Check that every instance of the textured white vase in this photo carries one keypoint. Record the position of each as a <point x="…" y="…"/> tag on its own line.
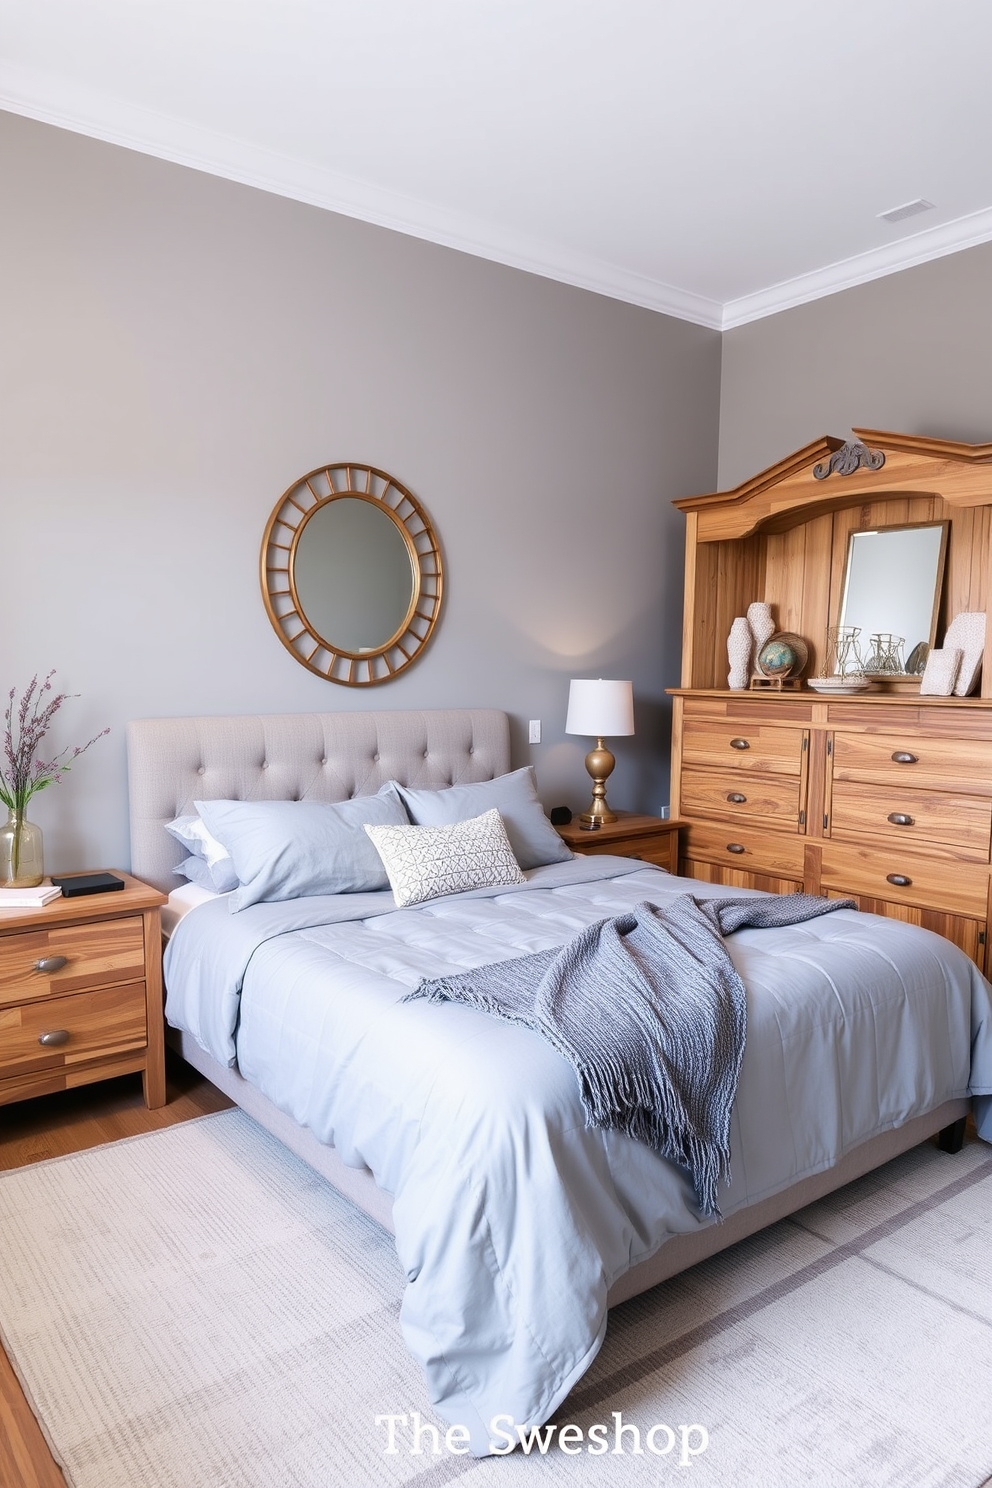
<point x="759" y="618"/>
<point x="740" y="644"/>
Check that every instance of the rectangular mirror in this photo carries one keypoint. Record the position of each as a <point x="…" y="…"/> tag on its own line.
<point x="891" y="590"/>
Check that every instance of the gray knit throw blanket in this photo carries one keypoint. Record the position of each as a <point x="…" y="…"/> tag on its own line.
<point x="650" y="1011"/>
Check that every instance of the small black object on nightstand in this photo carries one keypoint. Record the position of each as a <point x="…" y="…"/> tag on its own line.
<point x="74" y="884"/>
<point x="560" y="816"/>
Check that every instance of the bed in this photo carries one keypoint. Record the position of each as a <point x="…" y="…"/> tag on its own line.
<point x="516" y="1225"/>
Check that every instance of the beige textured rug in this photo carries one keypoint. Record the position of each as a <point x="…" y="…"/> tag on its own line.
<point x="196" y="1309"/>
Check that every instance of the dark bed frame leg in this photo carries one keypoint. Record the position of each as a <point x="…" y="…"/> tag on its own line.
<point x="951" y="1138"/>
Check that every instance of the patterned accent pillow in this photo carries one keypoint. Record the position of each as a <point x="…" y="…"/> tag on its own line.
<point x="428" y="862"/>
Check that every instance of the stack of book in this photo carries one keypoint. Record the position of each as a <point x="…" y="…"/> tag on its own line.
<point x="34" y="898"/>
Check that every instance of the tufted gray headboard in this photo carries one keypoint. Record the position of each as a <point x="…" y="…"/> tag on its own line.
<point x="294" y="756"/>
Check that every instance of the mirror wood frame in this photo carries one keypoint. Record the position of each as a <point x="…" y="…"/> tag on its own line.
<point x="939" y="567"/>
<point x="289" y="520"/>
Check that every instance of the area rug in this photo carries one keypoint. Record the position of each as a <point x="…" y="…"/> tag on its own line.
<point x="195" y="1308"/>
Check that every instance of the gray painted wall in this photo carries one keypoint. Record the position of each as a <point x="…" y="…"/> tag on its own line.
<point x="911" y="353"/>
<point x="177" y="349"/>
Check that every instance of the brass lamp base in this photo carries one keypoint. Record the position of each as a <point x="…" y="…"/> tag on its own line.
<point x="599" y="763"/>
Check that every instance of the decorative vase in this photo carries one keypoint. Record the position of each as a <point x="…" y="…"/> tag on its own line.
<point x="739" y="645"/>
<point x="759" y="618"/>
<point x="22" y="858"/>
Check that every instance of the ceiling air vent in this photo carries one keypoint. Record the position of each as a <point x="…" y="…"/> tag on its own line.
<point x="909" y="209"/>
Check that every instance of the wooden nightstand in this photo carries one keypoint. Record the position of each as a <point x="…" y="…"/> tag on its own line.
<point x="81" y="993"/>
<point x="630" y="836"/>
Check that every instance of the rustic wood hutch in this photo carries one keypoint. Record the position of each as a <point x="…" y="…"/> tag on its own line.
<point x="885" y="796"/>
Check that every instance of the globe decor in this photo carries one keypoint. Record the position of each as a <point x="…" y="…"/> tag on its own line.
<point x="23" y="772"/>
<point x="780" y="661"/>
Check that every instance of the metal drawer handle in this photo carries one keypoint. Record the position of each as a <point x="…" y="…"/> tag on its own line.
<point x="903" y="757"/>
<point x="735" y="847"/>
<point x="899" y="879"/>
<point x="51" y="963"/>
<point x="55" y="1038"/>
<point x="737" y="798"/>
<point x="739" y="744"/>
<point x="900" y="819"/>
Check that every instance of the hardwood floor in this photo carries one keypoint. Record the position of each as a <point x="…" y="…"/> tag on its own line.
<point x="53" y="1126"/>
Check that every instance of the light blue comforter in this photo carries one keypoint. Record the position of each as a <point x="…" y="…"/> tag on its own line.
<point x="512" y="1218"/>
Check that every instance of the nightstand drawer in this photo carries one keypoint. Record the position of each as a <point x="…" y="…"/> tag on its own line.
<point x="746" y="849"/>
<point x="45" y="963"/>
<point x="723" y="793"/>
<point x="890" y="872"/>
<point x="89" y="1025"/>
<point x="745" y="747"/>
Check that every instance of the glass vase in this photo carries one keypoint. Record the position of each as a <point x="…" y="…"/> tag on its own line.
<point x="22" y="857"/>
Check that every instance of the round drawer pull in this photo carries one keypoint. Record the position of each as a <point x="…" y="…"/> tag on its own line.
<point x="739" y="744"/>
<point x="55" y="1039"/>
<point x="736" y="798"/>
<point x="51" y="963"/>
<point x="900" y="819"/>
<point x="736" y="847"/>
<point x="903" y="757"/>
<point x="899" y="879"/>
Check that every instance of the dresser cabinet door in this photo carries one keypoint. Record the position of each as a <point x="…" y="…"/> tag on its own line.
<point x="744" y="851"/>
<point x="765" y="749"/>
<point x="716" y="795"/>
<point x="914" y="761"/>
<point x="901" y="817"/>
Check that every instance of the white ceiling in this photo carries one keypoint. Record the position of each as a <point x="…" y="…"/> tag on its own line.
<point x="713" y="159"/>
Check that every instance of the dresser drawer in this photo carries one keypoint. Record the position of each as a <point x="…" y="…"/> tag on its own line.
<point x="913" y="760"/>
<point x="745" y="848"/>
<point x="78" y="956"/>
<point x="86" y="1026"/>
<point x="900" y="875"/>
<point x="759" y="747"/>
<point x="912" y="818"/>
<point x="725" y="794"/>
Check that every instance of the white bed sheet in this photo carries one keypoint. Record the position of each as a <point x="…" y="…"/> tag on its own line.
<point x="188" y="896"/>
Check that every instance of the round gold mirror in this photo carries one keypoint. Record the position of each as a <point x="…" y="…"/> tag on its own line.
<point x="351" y="574"/>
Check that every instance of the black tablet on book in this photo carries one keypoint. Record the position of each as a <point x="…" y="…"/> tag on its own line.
<point x="72" y="884"/>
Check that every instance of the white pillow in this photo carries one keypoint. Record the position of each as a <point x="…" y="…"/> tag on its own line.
<point x="203" y="846"/>
<point x="429" y="862"/>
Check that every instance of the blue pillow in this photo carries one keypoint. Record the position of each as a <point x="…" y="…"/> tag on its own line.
<point x="532" y="837"/>
<point x="289" y="849"/>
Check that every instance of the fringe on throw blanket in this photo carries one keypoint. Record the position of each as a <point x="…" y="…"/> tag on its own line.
<point x="650" y="1011"/>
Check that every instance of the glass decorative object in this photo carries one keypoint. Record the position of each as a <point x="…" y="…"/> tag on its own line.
<point x="22" y="857"/>
<point x="886" y="653"/>
<point x="843" y="653"/>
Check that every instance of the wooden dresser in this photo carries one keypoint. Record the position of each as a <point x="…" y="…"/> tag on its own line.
<point x="81" y="993"/>
<point x="885" y="796"/>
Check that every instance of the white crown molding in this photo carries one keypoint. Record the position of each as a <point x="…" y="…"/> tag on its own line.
<point x="921" y="247"/>
<point x="67" y="105"/>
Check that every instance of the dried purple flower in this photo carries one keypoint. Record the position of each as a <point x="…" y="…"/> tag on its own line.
<point x="22" y="770"/>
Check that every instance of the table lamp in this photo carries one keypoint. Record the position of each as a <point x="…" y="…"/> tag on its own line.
<point x="601" y="709"/>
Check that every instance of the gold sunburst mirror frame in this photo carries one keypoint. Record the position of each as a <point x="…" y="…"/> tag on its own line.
<point x="319" y="540"/>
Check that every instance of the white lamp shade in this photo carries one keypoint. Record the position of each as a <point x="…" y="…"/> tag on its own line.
<point x="602" y="709"/>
